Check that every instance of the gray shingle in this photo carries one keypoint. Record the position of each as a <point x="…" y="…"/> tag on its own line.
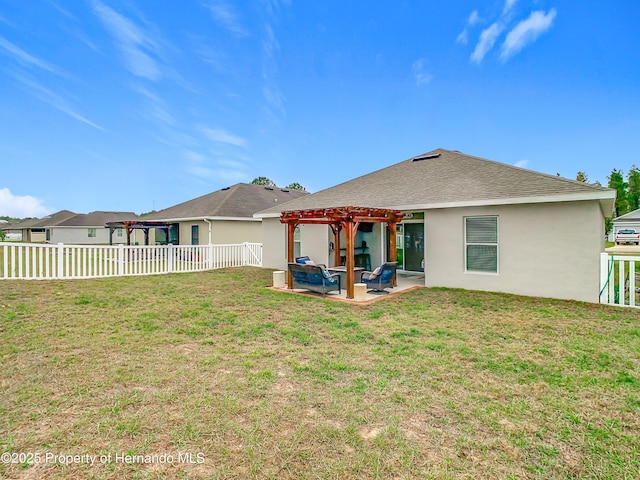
<point x="241" y="200"/>
<point x="442" y="178"/>
<point x="97" y="219"/>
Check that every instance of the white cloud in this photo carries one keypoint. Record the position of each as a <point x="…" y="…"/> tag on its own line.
<point x="526" y="32"/>
<point x="487" y="40"/>
<point x="419" y="72"/>
<point x="26" y="58"/>
<point x="222" y="136"/>
<point x="136" y="47"/>
<point x="224" y="14"/>
<point x="55" y="100"/>
<point x="508" y="5"/>
<point x="21" y="206"/>
<point x="207" y="173"/>
<point x="463" y="37"/>
<point x="522" y="163"/>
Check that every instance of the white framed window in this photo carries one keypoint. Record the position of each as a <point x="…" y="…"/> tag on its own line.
<point x="91" y="232"/>
<point x="119" y="232"/>
<point x="481" y="244"/>
<point x="296" y="242"/>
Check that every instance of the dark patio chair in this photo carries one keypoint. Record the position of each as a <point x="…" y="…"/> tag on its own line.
<point x="380" y="278"/>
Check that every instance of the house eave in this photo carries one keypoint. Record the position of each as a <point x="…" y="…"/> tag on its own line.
<point x="195" y="219"/>
<point x="603" y="197"/>
<point x="606" y="199"/>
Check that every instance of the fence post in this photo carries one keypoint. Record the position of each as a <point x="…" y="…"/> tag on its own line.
<point x="120" y="259"/>
<point x="245" y="246"/>
<point x="5" y="256"/>
<point x="60" y="272"/>
<point x="210" y="262"/>
<point x="605" y="277"/>
<point x="171" y="251"/>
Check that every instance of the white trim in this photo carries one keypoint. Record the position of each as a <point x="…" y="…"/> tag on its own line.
<point x="266" y="215"/>
<point x="565" y="197"/>
<point x="194" y="219"/>
<point x="569" y="197"/>
<point x="497" y="244"/>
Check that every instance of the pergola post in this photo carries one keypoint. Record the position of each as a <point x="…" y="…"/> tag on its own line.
<point x="347" y="218"/>
<point x="393" y="254"/>
<point x="350" y="228"/>
<point x="336" y="228"/>
<point x="291" y="231"/>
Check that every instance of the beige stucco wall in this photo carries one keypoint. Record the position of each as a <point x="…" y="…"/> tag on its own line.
<point x="274" y="244"/>
<point x="80" y="236"/>
<point x="546" y="250"/>
<point x="222" y="232"/>
<point x="314" y="242"/>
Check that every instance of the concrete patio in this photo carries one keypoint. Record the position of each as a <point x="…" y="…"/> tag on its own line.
<point x="406" y="281"/>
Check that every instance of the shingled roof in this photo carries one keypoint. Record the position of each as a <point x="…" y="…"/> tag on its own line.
<point x="445" y="178"/>
<point x="633" y="216"/>
<point x="240" y="201"/>
<point x="52" y="220"/>
<point x="97" y="219"/>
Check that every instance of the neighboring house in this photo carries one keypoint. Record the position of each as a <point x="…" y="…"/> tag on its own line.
<point x="33" y="230"/>
<point x="628" y="220"/>
<point x="11" y="233"/>
<point x="88" y="228"/>
<point x="469" y="223"/>
<point x="221" y="217"/>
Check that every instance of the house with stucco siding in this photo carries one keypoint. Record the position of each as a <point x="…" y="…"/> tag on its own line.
<point x="225" y="216"/>
<point x="469" y="223"/>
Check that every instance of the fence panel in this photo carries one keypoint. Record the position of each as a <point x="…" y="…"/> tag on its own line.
<point x="44" y="261"/>
<point x="620" y="280"/>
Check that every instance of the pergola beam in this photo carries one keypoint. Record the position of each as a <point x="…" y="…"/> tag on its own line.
<point x="338" y="218"/>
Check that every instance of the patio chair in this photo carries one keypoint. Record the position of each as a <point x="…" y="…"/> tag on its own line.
<point x="380" y="278"/>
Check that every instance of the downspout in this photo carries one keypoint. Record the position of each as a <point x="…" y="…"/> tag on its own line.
<point x="210" y="245"/>
<point x="208" y="223"/>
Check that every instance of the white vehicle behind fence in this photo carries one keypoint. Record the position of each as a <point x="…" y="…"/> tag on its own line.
<point x="627" y="235"/>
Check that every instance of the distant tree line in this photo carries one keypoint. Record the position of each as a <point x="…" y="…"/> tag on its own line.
<point x="627" y="190"/>
<point x="270" y="183"/>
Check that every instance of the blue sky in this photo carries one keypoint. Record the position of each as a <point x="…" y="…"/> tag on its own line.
<point x="132" y="105"/>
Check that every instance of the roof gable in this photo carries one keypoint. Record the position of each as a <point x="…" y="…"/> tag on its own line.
<point x="629" y="217"/>
<point x="53" y="219"/>
<point x="241" y="200"/>
<point x="97" y="219"/>
<point x="444" y="178"/>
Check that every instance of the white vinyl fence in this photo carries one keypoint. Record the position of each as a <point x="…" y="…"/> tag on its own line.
<point x="41" y="261"/>
<point x="619" y="280"/>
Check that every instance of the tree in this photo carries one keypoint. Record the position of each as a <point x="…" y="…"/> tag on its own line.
<point x="582" y="177"/>
<point x="296" y="186"/>
<point x="633" y="188"/>
<point x="263" y="181"/>
<point x="616" y="182"/>
<point x="3" y="235"/>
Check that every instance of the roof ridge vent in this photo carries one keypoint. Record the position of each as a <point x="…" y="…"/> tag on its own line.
<point x="284" y="190"/>
<point x="426" y="157"/>
<point x="225" y="188"/>
<point x="268" y="188"/>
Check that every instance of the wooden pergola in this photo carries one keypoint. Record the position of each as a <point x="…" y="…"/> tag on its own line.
<point x="131" y="225"/>
<point x="342" y="218"/>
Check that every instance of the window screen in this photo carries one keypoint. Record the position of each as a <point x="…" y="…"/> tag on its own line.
<point x="481" y="244"/>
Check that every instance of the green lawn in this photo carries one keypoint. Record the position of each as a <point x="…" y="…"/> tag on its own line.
<point x="253" y="383"/>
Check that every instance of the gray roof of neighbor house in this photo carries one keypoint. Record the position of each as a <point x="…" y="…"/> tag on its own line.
<point x="97" y="219"/>
<point x="24" y="223"/>
<point x="633" y="216"/>
<point x="445" y="178"/>
<point x="241" y="200"/>
<point x="51" y="220"/>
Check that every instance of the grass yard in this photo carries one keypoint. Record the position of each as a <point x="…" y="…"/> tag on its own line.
<point x="228" y="379"/>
